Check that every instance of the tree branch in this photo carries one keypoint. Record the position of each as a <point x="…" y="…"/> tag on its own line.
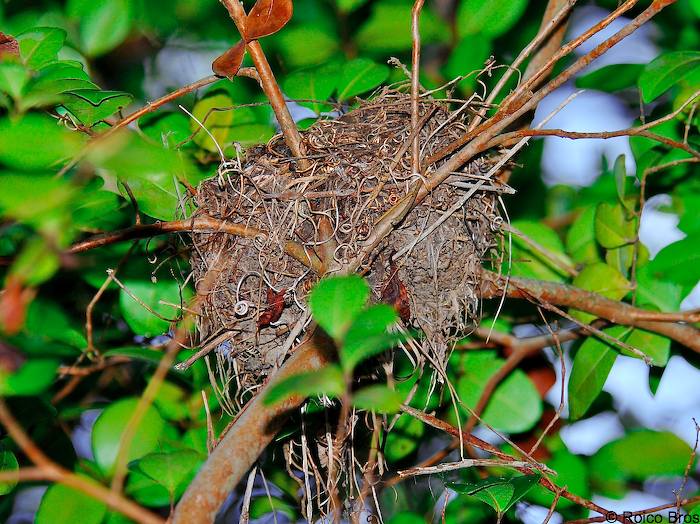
<point x="573" y="297"/>
<point x="252" y="431"/>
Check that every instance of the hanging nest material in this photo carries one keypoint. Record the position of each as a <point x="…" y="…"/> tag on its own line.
<point x="360" y="166"/>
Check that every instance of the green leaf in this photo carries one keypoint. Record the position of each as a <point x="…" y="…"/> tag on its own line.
<point x="388" y="29"/>
<point x="327" y="381"/>
<point x="678" y="263"/>
<point x="147" y="355"/>
<point x="39" y="46"/>
<point x="212" y="112"/>
<point x="529" y="262"/>
<point x="468" y="55"/>
<point x="403" y="438"/>
<point x="515" y="405"/>
<point x="53" y="81"/>
<point x="313" y="84"/>
<point x="656" y="347"/>
<point x="488" y="18"/>
<point x="173" y="470"/>
<point x="94" y="105"/>
<point x="319" y="45"/>
<point x="368" y="335"/>
<point x="111" y="424"/>
<point x="36" y="262"/>
<point x="153" y="173"/>
<point x="378" y="398"/>
<point x="589" y="371"/>
<point x="641" y="454"/>
<point x="8" y="464"/>
<point x="103" y="25"/>
<point x="336" y="301"/>
<point x="667" y="70"/>
<point x="611" y="78"/>
<point x="580" y="238"/>
<point x="613" y="227"/>
<point x="154" y="295"/>
<point x="499" y="493"/>
<point x="261" y="506"/>
<point x="13" y="78"/>
<point x="620" y="172"/>
<point x="359" y="76"/>
<point x="572" y="474"/>
<point x="602" y="279"/>
<point x="36" y="141"/>
<point x="661" y="295"/>
<point x="65" y="505"/>
<point x="33" y="378"/>
<point x="347" y="6"/>
<point x="146" y="491"/>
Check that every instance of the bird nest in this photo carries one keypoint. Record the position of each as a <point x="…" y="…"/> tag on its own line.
<point x="319" y="219"/>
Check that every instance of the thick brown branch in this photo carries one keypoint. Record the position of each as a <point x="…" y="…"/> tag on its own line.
<point x="251" y="432"/>
<point x="593" y="303"/>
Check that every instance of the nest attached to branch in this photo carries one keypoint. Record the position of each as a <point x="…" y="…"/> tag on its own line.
<point x="359" y="167"/>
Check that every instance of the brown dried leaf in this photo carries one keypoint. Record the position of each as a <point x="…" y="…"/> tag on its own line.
<point x="268" y="17"/>
<point x="228" y="64"/>
<point x="8" y="46"/>
<point x="273" y="311"/>
<point x="13" y="305"/>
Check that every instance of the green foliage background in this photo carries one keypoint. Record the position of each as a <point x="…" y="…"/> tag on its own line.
<point x="83" y="63"/>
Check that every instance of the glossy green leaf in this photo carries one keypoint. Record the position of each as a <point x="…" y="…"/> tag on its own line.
<point x="368" y="335"/>
<point x="678" y="263"/>
<point x="667" y="70"/>
<point x="336" y="301"/>
<point x="499" y="493"/>
<point x="611" y="78"/>
<point x="515" y="405"/>
<point x="602" y="279"/>
<point x="146" y="491"/>
<point x="173" y="470"/>
<point x="39" y="46"/>
<point x="388" y="29"/>
<point x="212" y="112"/>
<point x="33" y="378"/>
<point x="261" y="506"/>
<point x="313" y="84"/>
<point x="403" y="438"/>
<point x="319" y="45"/>
<point x="65" y="505"/>
<point x="656" y="347"/>
<point x="359" y="76"/>
<point x="103" y="25"/>
<point x="530" y="261"/>
<point x="53" y="81"/>
<point x="111" y="424"/>
<point x="347" y="6"/>
<point x="663" y="452"/>
<point x="154" y="295"/>
<point x="36" y="141"/>
<point x="659" y="294"/>
<point x="13" y="78"/>
<point x="589" y="371"/>
<point x="468" y="56"/>
<point x="378" y="398"/>
<point x="93" y="105"/>
<point x="488" y="18"/>
<point x="8" y="464"/>
<point x="580" y="238"/>
<point x="614" y="226"/>
<point x="327" y="381"/>
<point x="36" y="262"/>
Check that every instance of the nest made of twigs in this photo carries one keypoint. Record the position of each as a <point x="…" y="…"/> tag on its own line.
<point x="359" y="167"/>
